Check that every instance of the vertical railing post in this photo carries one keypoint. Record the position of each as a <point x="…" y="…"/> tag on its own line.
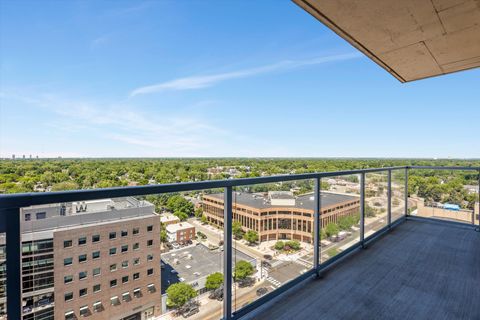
<point x="362" y="209"/>
<point x="13" y="244"/>
<point x="389" y="195"/>
<point x="316" y="224"/>
<point x="406" y="191"/>
<point x="227" y="254"/>
<point x="478" y="199"/>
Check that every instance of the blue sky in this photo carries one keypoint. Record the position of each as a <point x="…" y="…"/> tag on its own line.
<point x="212" y="78"/>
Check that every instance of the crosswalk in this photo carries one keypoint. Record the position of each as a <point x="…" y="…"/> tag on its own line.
<point x="276" y="263"/>
<point x="304" y="263"/>
<point x="274" y="282"/>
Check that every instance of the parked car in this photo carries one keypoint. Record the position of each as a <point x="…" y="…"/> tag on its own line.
<point x="261" y="291"/>
<point x="247" y="282"/>
<point x="266" y="264"/>
<point x="217" y="294"/>
<point x="267" y="257"/>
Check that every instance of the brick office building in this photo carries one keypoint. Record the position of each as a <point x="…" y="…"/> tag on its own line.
<point x="95" y="259"/>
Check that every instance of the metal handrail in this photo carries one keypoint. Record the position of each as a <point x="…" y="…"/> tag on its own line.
<point x="11" y="204"/>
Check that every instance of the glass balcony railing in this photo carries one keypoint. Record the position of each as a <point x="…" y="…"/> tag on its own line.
<point x="205" y="250"/>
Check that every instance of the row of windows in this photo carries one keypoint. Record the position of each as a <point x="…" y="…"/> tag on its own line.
<point x="98" y="306"/>
<point x="113" y="267"/>
<point x="112" y="251"/>
<point x="96" y="238"/>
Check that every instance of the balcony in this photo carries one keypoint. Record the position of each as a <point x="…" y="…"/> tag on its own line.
<point x="372" y="243"/>
<point x="422" y="269"/>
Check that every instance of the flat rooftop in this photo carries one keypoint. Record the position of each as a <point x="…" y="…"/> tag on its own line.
<point x="203" y="261"/>
<point x="178" y="226"/>
<point x="419" y="270"/>
<point x="306" y="201"/>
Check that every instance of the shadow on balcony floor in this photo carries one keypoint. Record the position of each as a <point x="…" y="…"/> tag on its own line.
<point x="421" y="270"/>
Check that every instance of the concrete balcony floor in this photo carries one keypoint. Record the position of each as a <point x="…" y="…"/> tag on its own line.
<point x="420" y="270"/>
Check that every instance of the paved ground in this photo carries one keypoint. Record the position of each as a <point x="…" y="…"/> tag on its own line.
<point x="420" y="270"/>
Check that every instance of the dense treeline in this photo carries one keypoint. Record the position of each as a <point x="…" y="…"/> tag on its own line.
<point x="66" y="174"/>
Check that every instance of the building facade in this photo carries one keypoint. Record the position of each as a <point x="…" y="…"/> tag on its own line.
<point x="280" y="215"/>
<point x="180" y="232"/>
<point x="95" y="259"/>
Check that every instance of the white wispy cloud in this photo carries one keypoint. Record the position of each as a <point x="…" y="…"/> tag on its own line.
<point x="203" y="81"/>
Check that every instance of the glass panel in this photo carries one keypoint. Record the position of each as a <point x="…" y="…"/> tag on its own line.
<point x="398" y="194"/>
<point x="273" y="237"/>
<point x="192" y="253"/>
<point x="444" y="194"/>
<point x="376" y="202"/>
<point x="340" y="214"/>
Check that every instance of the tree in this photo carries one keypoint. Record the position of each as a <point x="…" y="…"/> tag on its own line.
<point x="203" y="219"/>
<point x="198" y="212"/>
<point x="331" y="229"/>
<point x="237" y="230"/>
<point x="323" y="234"/>
<point x="180" y="215"/>
<point x="279" y="245"/>
<point x="179" y="293"/>
<point x="251" y="236"/>
<point x="214" y="281"/>
<point x="293" y="245"/>
<point x="66" y="185"/>
<point x="243" y="269"/>
<point x="163" y="233"/>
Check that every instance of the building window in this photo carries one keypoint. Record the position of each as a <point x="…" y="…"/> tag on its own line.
<point x="113" y="283"/>
<point x="82" y="275"/>
<point x="136" y="261"/>
<point x="113" y="251"/>
<point x="95" y="238"/>
<point x="82" y="292"/>
<point x="82" y="241"/>
<point x="96" y="288"/>
<point x="151" y="288"/>
<point x="41" y="215"/>
<point x="150" y="257"/>
<point x="136" y="246"/>
<point x="136" y="231"/>
<point x="114" y="301"/>
<point x="124" y="279"/>
<point x="112" y="235"/>
<point x="67" y="261"/>
<point x="124" y="248"/>
<point x="96" y="272"/>
<point x="70" y="315"/>
<point x="149" y="243"/>
<point x="136" y="276"/>
<point x="68" y="296"/>
<point x="149" y="272"/>
<point x="125" y="264"/>
<point x="28" y="217"/>
<point x="126" y="296"/>
<point x="150" y="228"/>
<point x="124" y="233"/>
<point x="113" y="267"/>
<point x="97" y="306"/>
<point x="82" y="258"/>
<point x="84" y="311"/>
<point x="137" y="293"/>
<point x="95" y="254"/>
<point x="67" y="279"/>
<point x="67" y="243"/>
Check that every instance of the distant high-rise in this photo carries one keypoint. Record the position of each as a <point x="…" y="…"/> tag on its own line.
<point x="13" y="157"/>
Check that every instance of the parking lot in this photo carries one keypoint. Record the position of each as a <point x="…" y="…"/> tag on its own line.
<point x="194" y="263"/>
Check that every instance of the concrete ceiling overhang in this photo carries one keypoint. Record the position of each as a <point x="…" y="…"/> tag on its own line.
<point x="411" y="39"/>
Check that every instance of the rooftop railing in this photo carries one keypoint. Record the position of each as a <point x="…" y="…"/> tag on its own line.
<point x="381" y="190"/>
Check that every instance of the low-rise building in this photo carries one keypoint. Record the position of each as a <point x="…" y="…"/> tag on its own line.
<point x="180" y="232"/>
<point x="280" y="215"/>
<point x="168" y="218"/>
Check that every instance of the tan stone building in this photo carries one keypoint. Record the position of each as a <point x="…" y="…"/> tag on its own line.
<point x="280" y="215"/>
<point x="95" y="259"/>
